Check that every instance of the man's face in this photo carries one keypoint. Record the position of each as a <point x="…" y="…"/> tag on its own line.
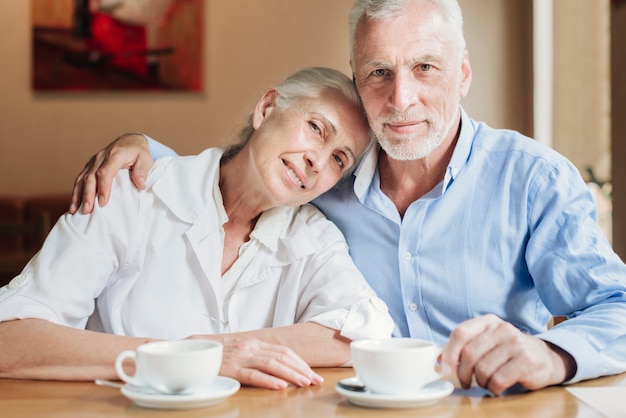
<point x="411" y="78"/>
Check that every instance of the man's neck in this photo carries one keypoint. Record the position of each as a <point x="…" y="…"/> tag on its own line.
<point x="404" y="182"/>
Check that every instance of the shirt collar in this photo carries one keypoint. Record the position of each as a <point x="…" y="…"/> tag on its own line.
<point x="461" y="150"/>
<point x="271" y="225"/>
<point x="188" y="200"/>
<point x="365" y="172"/>
<point x="222" y="216"/>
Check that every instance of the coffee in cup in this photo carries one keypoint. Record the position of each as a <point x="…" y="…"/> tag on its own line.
<point x="395" y="365"/>
<point x="173" y="367"/>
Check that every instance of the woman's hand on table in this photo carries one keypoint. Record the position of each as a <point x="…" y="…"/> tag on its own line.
<point x="257" y="363"/>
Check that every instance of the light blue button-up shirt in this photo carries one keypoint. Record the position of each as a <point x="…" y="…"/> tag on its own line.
<point x="511" y="231"/>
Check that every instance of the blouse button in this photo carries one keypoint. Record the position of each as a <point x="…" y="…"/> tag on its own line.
<point x="413" y="307"/>
<point x="18" y="281"/>
<point x="407" y="255"/>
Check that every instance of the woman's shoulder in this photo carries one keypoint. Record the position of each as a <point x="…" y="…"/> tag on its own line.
<point x="185" y="165"/>
<point x="318" y="225"/>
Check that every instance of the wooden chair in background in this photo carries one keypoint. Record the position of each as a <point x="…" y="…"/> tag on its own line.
<point x="24" y="225"/>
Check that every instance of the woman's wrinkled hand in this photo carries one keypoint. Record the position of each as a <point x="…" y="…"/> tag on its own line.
<point x="257" y="363"/>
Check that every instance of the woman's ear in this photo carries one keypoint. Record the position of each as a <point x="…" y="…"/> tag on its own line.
<point x="264" y="108"/>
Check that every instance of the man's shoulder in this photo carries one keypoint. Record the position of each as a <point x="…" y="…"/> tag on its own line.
<point x="340" y="192"/>
<point x="511" y="142"/>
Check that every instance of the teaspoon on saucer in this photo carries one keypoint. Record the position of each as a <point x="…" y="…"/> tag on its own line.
<point x="351" y="384"/>
<point x="109" y="383"/>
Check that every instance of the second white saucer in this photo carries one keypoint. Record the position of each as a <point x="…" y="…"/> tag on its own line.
<point x="220" y="389"/>
<point x="428" y="395"/>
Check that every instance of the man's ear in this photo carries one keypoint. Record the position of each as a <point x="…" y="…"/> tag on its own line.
<point x="264" y="108"/>
<point x="466" y="71"/>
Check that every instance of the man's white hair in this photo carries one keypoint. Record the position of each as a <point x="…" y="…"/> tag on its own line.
<point x="387" y="9"/>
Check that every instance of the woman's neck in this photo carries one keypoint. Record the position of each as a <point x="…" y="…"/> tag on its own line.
<point x="242" y="198"/>
<point x="243" y="203"/>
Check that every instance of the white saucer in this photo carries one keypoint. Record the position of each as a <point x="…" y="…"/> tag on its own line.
<point x="220" y="389"/>
<point x="428" y="395"/>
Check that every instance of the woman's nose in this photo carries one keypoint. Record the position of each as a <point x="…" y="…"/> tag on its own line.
<point x="316" y="159"/>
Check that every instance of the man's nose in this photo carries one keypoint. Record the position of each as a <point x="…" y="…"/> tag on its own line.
<point x="404" y="92"/>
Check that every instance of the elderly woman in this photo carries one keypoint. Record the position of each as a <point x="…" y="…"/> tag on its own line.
<point x="220" y="246"/>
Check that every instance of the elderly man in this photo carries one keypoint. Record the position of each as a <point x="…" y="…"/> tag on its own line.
<point x="474" y="237"/>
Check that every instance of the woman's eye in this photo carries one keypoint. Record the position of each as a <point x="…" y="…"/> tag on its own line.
<point x="339" y="161"/>
<point x="315" y="128"/>
<point x="425" y="67"/>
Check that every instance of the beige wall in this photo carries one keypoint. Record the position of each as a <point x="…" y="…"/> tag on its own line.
<point x="46" y="139"/>
<point x="499" y="41"/>
<point x="582" y="83"/>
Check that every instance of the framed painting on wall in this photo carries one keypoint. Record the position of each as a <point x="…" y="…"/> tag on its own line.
<point x="117" y="45"/>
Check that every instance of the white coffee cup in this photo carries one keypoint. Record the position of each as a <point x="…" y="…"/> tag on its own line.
<point x="395" y="365"/>
<point x="173" y="367"/>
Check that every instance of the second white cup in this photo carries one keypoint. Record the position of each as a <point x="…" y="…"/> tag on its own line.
<point x="395" y="365"/>
<point x="173" y="367"/>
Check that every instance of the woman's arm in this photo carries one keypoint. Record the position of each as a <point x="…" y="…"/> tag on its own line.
<point x="271" y="357"/>
<point x="315" y="344"/>
<point x="39" y="349"/>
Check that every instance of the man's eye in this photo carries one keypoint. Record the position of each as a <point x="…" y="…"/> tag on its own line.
<point x="378" y="73"/>
<point x="425" y="67"/>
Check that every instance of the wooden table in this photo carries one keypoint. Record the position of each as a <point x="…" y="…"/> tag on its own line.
<point x="85" y="399"/>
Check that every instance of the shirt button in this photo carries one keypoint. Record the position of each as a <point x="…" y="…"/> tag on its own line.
<point x="18" y="281"/>
<point x="407" y="255"/>
<point x="413" y="307"/>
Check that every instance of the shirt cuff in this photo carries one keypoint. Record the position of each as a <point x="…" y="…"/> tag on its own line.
<point x="591" y="362"/>
<point x="158" y="150"/>
<point x="368" y="318"/>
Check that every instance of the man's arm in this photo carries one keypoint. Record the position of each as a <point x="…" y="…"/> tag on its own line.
<point x="133" y="151"/>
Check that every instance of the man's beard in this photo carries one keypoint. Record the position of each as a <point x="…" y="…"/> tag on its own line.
<point x="412" y="146"/>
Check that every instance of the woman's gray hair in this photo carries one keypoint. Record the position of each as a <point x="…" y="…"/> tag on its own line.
<point x="387" y="9"/>
<point x="307" y="83"/>
<point x="312" y="82"/>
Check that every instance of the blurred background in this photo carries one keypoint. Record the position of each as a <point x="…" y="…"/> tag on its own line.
<point x="552" y="69"/>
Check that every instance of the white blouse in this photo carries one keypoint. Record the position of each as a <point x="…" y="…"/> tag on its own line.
<point x="149" y="264"/>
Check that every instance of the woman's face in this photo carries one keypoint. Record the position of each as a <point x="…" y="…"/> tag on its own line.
<point x="302" y="151"/>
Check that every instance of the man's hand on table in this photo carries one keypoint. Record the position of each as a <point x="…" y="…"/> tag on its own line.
<point x="498" y="355"/>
